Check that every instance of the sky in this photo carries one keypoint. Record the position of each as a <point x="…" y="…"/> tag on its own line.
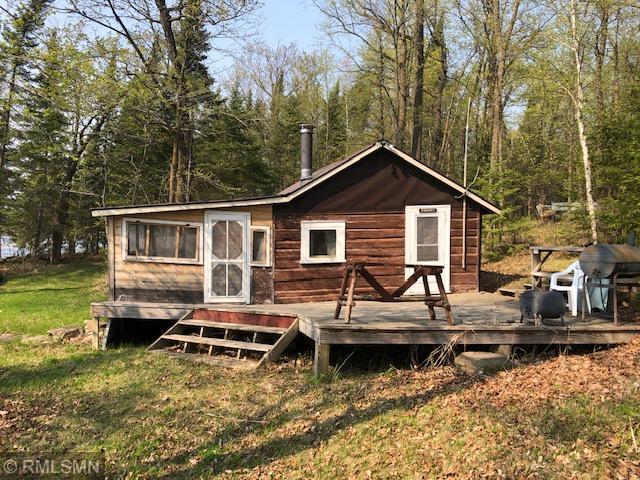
<point x="291" y="21"/>
<point x="278" y="22"/>
<point x="281" y="22"/>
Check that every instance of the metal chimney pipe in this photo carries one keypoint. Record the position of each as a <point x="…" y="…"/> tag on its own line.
<point x="306" y="151"/>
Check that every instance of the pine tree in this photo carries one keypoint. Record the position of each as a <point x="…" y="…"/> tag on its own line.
<point x="18" y="40"/>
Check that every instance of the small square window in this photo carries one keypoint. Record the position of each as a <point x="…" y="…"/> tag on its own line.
<point x="322" y="242"/>
<point x="260" y="246"/>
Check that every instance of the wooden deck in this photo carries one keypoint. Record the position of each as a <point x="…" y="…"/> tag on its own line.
<point x="480" y="318"/>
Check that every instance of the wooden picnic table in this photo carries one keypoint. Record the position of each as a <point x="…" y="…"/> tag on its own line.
<point x="539" y="255"/>
<point x="356" y="268"/>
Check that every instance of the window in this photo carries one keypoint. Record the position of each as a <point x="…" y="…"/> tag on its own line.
<point x="261" y="246"/>
<point x="160" y="241"/>
<point x="427" y="239"/>
<point x="322" y="242"/>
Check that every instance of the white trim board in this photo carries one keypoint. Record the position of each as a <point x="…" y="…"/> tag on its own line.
<point x="312" y="184"/>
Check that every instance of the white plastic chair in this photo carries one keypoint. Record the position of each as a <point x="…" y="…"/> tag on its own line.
<point x="574" y="290"/>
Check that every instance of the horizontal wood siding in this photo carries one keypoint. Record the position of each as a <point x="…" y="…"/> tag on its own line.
<point x="176" y="282"/>
<point x="376" y="237"/>
<point x="465" y="280"/>
<point x="369" y="236"/>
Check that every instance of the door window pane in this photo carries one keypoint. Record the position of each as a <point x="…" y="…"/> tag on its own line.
<point x="219" y="280"/>
<point x="427" y="239"/>
<point x="136" y="239"/>
<point x="235" y="240"/>
<point x="188" y="242"/>
<point x="234" y="280"/>
<point x="427" y="253"/>
<point x="162" y="240"/>
<point x="259" y="246"/>
<point x="219" y="239"/>
<point x="427" y="230"/>
<point x="322" y="243"/>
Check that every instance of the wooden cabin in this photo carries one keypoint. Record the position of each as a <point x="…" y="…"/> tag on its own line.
<point x="378" y="204"/>
<point x="232" y="280"/>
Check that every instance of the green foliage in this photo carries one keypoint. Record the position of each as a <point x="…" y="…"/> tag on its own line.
<point x="106" y="120"/>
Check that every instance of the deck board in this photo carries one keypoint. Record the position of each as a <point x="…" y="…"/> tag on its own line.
<point x="480" y="318"/>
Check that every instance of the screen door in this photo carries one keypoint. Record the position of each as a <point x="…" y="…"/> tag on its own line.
<point x="226" y="257"/>
<point x="427" y="242"/>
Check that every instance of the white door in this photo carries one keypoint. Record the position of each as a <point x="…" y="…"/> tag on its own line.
<point x="226" y="261"/>
<point x="428" y="242"/>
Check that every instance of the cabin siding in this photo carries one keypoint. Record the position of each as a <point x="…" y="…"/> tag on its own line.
<point x="373" y="236"/>
<point x="370" y="197"/>
<point x="175" y="282"/>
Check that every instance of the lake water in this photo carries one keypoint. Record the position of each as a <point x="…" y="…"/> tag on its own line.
<point x="8" y="248"/>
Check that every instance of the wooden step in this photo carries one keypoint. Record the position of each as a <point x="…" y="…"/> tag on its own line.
<point x="233" y="326"/>
<point x="219" y="342"/>
<point x="243" y="364"/>
<point x="175" y="336"/>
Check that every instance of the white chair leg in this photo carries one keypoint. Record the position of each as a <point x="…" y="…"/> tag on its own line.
<point x="573" y="302"/>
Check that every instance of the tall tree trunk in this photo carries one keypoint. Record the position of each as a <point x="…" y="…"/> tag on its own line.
<point x="6" y="116"/>
<point x="179" y="156"/>
<point x="578" y="102"/>
<point x="602" y="37"/>
<point x="381" y="80"/>
<point x="402" y="85"/>
<point x="438" y="39"/>
<point x="61" y="211"/>
<point x="498" y="43"/>
<point x="38" y="237"/>
<point x="418" y="100"/>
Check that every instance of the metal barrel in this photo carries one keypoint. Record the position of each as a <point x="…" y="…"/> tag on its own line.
<point x="604" y="260"/>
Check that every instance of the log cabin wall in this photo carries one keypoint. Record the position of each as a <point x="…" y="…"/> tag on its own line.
<point x="176" y="282"/>
<point x="370" y="197"/>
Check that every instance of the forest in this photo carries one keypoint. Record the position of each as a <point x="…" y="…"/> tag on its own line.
<point x="111" y="102"/>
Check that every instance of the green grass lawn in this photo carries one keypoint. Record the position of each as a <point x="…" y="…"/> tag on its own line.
<point x="156" y="417"/>
<point x="56" y="295"/>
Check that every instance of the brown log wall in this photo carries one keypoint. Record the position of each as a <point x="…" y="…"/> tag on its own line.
<point x="376" y="237"/>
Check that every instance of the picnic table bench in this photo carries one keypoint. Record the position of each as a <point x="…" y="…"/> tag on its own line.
<point x="353" y="269"/>
<point x="539" y="255"/>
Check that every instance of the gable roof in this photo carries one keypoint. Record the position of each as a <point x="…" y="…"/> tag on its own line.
<point x="299" y="187"/>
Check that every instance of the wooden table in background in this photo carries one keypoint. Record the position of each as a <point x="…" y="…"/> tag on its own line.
<point x="539" y="255"/>
<point x="354" y="268"/>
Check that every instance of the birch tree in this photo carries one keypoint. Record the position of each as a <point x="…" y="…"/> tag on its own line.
<point x="577" y="97"/>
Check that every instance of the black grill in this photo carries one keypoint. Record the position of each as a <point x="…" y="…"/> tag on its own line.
<point x="604" y="261"/>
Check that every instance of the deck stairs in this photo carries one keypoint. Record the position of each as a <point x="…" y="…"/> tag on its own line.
<point x="246" y="345"/>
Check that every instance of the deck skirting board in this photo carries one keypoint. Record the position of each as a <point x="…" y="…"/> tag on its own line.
<point x="471" y="337"/>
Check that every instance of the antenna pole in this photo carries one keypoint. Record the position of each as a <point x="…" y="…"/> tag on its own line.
<point x="464" y="184"/>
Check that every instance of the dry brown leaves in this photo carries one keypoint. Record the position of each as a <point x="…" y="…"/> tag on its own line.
<point x="602" y="375"/>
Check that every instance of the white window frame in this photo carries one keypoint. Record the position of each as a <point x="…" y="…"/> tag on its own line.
<point x="267" y="230"/>
<point x="124" y="234"/>
<point x="305" y="228"/>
